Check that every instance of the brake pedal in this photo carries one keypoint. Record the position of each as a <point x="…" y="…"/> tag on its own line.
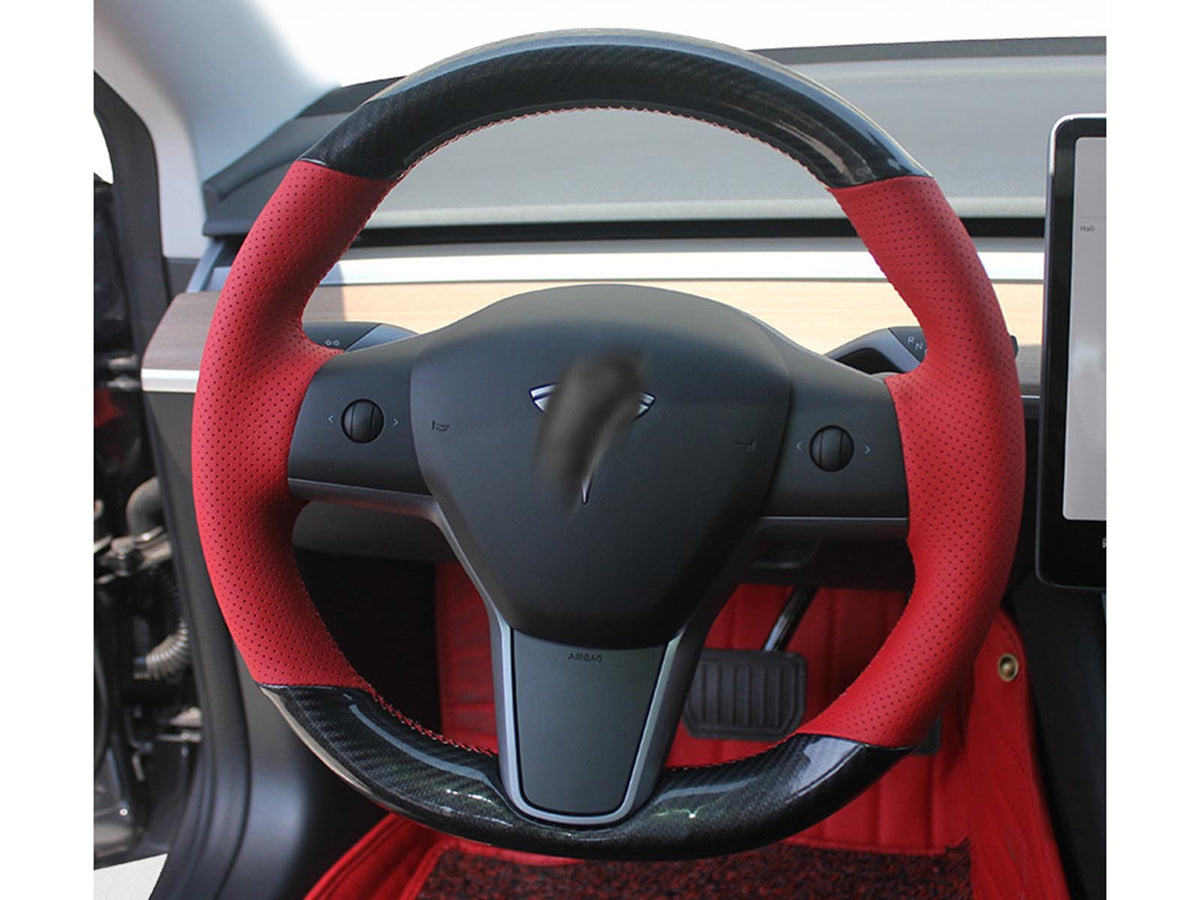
<point x="746" y="695"/>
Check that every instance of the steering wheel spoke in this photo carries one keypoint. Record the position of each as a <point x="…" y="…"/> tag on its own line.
<point x="584" y="730"/>
<point x="840" y="471"/>
<point x="353" y="440"/>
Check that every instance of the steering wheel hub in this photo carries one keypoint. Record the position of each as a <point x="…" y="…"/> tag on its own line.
<point x="629" y="567"/>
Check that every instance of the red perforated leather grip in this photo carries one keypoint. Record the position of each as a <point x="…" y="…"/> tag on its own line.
<point x="256" y="367"/>
<point x="959" y="415"/>
<point x="962" y="432"/>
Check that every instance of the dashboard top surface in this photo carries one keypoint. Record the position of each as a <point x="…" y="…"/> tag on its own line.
<point x="975" y="114"/>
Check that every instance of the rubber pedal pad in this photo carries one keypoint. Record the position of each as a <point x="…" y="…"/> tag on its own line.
<point x="746" y="695"/>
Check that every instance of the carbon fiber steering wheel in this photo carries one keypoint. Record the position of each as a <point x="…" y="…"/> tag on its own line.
<point x="600" y="602"/>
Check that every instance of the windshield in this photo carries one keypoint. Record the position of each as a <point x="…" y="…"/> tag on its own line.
<point x="370" y="39"/>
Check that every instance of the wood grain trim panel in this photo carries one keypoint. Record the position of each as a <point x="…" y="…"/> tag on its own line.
<point x="819" y="315"/>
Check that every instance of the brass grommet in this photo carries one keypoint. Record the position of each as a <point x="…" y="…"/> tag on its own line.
<point x="1008" y="667"/>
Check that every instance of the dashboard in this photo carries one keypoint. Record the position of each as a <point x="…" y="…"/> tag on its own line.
<point x="612" y="196"/>
<point x="601" y="197"/>
<point x="859" y="321"/>
<point x="976" y="114"/>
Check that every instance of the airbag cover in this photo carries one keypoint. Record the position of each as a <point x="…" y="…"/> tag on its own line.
<point x="667" y="501"/>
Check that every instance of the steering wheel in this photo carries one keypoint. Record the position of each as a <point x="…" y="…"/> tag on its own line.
<point x="600" y="600"/>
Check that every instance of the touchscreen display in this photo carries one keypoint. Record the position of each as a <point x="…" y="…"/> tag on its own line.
<point x="1084" y="455"/>
<point x="1072" y="517"/>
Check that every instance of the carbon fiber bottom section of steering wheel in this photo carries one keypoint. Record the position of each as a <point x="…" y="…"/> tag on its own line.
<point x="693" y="812"/>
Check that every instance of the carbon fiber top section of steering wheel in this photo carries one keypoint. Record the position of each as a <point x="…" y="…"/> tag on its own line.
<point x="694" y="812"/>
<point x="557" y="71"/>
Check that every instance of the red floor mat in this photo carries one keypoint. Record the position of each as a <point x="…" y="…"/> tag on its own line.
<point x="976" y="798"/>
<point x="400" y="860"/>
<point x="781" y="870"/>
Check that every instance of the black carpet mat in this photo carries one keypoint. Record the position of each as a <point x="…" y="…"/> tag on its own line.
<point x="781" y="870"/>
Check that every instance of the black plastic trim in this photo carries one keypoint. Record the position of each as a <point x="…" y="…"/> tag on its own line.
<point x="972" y="49"/>
<point x="1064" y="634"/>
<point x="135" y="210"/>
<point x="771" y="528"/>
<point x="1068" y="553"/>
<point x="693" y="812"/>
<point x="210" y="830"/>
<point x="236" y="223"/>
<point x="210" y="834"/>
<point x="580" y="717"/>
<point x="251" y="774"/>
<point x="644" y="229"/>
<point x="345" y="99"/>
<point x="583" y="69"/>
<point x="275" y="152"/>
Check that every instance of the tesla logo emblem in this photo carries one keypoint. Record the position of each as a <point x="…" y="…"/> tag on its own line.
<point x="541" y="398"/>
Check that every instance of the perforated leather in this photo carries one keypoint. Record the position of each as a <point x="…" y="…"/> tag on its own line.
<point x="959" y="415"/>
<point x="961" y="429"/>
<point x="256" y="367"/>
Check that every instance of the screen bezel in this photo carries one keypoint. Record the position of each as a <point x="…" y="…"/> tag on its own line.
<point x="1070" y="553"/>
